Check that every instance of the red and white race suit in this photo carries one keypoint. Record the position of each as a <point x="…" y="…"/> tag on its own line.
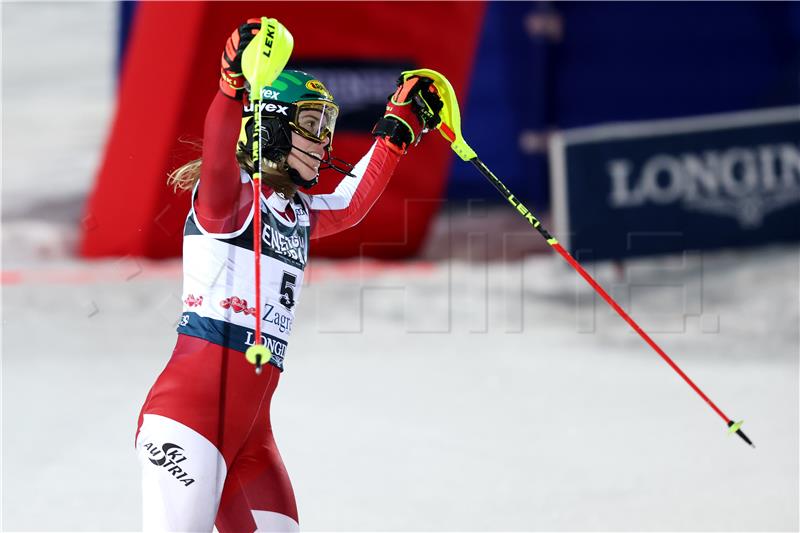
<point x="204" y="438"/>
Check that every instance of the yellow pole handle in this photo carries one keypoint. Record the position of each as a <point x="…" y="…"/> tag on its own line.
<point x="450" y="126"/>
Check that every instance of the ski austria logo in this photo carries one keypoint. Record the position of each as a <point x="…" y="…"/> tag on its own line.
<point x="743" y="182"/>
<point x="169" y="456"/>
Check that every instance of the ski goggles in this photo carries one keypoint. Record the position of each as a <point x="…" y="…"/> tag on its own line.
<point x="314" y="120"/>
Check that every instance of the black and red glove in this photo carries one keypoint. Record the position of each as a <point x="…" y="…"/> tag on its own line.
<point x="231" y="80"/>
<point x="412" y="110"/>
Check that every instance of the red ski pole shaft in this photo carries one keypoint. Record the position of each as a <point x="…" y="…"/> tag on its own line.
<point x="632" y="323"/>
<point x="257" y="250"/>
<point x="533" y="221"/>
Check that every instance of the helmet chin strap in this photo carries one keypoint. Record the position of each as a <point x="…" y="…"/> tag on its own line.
<point x="330" y="162"/>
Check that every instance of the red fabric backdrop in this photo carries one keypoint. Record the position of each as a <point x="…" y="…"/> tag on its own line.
<point x="170" y="75"/>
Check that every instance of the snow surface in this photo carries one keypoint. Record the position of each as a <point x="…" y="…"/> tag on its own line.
<point x="446" y="395"/>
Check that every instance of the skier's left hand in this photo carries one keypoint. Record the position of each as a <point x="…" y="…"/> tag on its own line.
<point x="412" y="110"/>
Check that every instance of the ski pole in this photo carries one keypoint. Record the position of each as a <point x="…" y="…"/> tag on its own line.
<point x="262" y="62"/>
<point x="450" y="128"/>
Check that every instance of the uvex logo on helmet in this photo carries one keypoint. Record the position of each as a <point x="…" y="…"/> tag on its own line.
<point x="269" y="107"/>
<point x="270" y="94"/>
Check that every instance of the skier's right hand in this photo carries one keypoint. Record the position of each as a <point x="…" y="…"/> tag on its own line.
<point x="231" y="80"/>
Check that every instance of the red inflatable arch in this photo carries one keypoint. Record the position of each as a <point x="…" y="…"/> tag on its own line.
<point x="170" y="75"/>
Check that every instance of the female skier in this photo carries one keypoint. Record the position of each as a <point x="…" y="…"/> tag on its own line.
<point x="204" y="438"/>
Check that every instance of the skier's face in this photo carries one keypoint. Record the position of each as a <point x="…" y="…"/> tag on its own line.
<point x="315" y="121"/>
<point x="306" y="164"/>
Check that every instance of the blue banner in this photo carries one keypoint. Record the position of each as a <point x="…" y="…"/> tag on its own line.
<point x="672" y="185"/>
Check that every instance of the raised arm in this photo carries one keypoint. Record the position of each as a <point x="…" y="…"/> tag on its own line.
<point x="218" y="200"/>
<point x="220" y="187"/>
<point x="411" y="111"/>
